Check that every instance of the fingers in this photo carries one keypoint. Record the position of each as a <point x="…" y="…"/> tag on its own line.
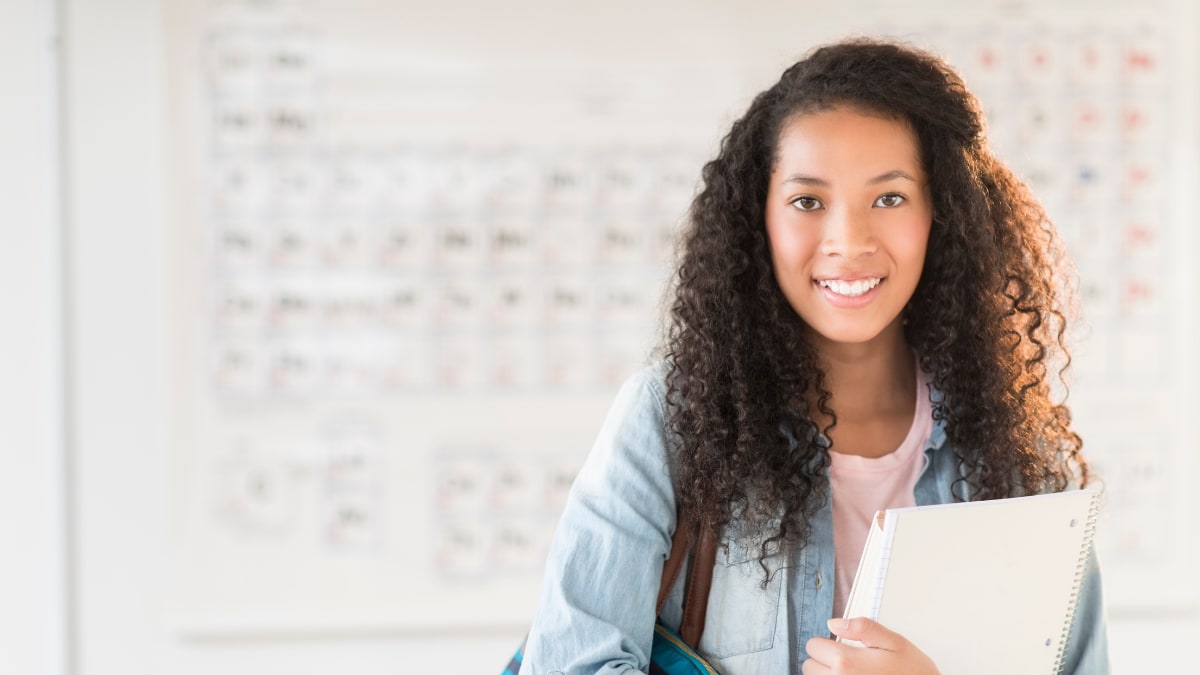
<point x="881" y="651"/>
<point x="869" y="633"/>
<point x="827" y="656"/>
<point x="826" y="651"/>
<point x="814" y="667"/>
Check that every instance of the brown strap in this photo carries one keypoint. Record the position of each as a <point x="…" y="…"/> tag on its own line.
<point x="681" y="541"/>
<point x="695" y="607"/>
<point x="695" y="604"/>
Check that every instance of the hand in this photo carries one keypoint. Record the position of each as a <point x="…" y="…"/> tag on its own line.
<point x="883" y="652"/>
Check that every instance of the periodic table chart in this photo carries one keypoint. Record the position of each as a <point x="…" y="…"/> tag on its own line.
<point x="401" y="311"/>
<point x="1090" y="112"/>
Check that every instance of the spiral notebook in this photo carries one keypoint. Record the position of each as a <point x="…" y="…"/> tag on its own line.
<point x="981" y="587"/>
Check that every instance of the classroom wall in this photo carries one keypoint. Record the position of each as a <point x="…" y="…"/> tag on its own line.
<point x="33" y="480"/>
<point x="87" y="516"/>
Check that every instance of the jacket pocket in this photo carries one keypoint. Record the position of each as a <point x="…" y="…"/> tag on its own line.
<point x="743" y="612"/>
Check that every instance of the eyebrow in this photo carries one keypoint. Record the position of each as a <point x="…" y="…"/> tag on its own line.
<point x="803" y="179"/>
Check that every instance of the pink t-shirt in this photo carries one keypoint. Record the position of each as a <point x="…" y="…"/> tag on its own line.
<point x="863" y="485"/>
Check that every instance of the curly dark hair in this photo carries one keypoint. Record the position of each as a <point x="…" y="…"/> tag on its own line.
<point x="986" y="321"/>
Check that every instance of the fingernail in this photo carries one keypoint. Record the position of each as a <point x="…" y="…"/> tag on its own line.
<point x="836" y="625"/>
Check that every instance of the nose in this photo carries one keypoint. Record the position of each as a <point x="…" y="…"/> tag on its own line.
<point x="848" y="233"/>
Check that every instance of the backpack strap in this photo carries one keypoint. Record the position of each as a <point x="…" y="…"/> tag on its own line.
<point x="681" y="541"/>
<point x="695" y="603"/>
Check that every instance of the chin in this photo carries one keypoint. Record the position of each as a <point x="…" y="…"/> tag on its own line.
<point x="847" y="335"/>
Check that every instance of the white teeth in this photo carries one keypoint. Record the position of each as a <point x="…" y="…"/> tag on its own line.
<point x="849" y="288"/>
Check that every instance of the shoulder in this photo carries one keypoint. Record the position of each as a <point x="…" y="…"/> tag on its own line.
<point x="637" y="417"/>
<point x="630" y="461"/>
<point x="645" y="392"/>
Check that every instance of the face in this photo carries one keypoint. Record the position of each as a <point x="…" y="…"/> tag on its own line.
<point x="848" y="217"/>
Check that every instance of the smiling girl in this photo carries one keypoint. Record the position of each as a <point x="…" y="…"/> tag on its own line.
<point x="867" y="314"/>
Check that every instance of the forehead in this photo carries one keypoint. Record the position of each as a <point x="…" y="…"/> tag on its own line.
<point x="846" y="139"/>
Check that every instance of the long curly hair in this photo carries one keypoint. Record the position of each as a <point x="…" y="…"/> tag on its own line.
<point x="986" y="321"/>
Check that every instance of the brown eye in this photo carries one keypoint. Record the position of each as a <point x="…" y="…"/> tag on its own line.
<point x="806" y="203"/>
<point x="889" y="200"/>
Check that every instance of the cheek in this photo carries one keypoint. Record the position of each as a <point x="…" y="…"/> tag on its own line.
<point x="911" y="243"/>
<point x="791" y="246"/>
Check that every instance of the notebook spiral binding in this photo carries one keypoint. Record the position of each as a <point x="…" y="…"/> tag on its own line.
<point x="1089" y="535"/>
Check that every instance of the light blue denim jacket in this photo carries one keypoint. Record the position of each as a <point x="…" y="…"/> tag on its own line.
<point x="596" y="611"/>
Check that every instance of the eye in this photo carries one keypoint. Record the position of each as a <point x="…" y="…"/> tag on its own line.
<point x="889" y="200"/>
<point x="807" y="203"/>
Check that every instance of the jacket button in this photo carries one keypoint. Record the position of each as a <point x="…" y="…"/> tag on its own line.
<point x="818" y="580"/>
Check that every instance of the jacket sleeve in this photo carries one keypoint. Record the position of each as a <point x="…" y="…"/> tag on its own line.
<point x="596" y="609"/>
<point x="1087" y="646"/>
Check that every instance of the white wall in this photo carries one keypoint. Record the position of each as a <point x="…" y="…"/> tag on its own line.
<point x="114" y="118"/>
<point x="33" y="598"/>
<point x="115" y="153"/>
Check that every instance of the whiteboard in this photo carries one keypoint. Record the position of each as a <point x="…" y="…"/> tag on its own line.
<point x="415" y="255"/>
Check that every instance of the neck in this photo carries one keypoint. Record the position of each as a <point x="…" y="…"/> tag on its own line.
<point x="870" y="379"/>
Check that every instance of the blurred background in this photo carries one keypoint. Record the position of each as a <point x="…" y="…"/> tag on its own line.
<point x="313" y="307"/>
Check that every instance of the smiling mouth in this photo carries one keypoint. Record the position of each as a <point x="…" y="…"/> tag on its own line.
<point x="850" y="289"/>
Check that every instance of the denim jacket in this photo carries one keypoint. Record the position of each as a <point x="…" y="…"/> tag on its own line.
<point x="596" y="611"/>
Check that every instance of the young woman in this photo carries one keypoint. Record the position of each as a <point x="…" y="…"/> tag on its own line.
<point x="868" y="313"/>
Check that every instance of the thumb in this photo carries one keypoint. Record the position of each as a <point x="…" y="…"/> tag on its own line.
<point x="869" y="633"/>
